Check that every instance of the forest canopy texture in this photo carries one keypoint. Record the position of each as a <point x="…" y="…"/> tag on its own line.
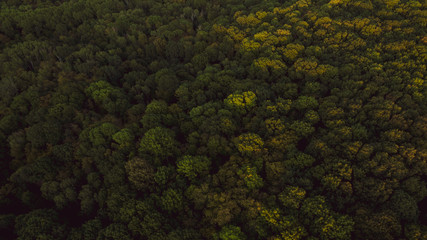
<point x="222" y="119"/>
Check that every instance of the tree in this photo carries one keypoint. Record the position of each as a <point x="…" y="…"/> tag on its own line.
<point x="102" y="134"/>
<point x="87" y="200"/>
<point x="110" y="98"/>
<point x="292" y="51"/>
<point x="27" y="54"/>
<point x="312" y="117"/>
<point x="241" y="102"/>
<point x="114" y="231"/>
<point x="315" y="207"/>
<point x="62" y="112"/>
<point x="91" y="228"/>
<point x="156" y="114"/>
<point x="39" y="224"/>
<point x="42" y="169"/>
<point x="339" y="227"/>
<point x="380" y="225"/>
<point x="251" y="177"/>
<point x="302" y="128"/>
<point x="292" y="197"/>
<point x="160" y="143"/>
<point x="193" y="166"/>
<point x="140" y="173"/>
<point x="249" y="144"/>
<point x="404" y="206"/>
<point x="231" y="232"/>
<point x="172" y="200"/>
<point x="17" y="142"/>
<point x="185" y="234"/>
<point x="42" y="133"/>
<point x="164" y="175"/>
<point x="124" y="137"/>
<point x="167" y="83"/>
<point x="274" y="119"/>
<point x="305" y="102"/>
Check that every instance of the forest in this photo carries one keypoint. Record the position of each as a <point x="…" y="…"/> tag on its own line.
<point x="213" y="119"/>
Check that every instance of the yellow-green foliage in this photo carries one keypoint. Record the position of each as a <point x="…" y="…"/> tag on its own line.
<point x="251" y="178"/>
<point x="249" y="20"/>
<point x="331" y="181"/>
<point x="250" y="45"/>
<point x="286" y="227"/>
<point x="249" y="144"/>
<point x="242" y="102"/>
<point x="274" y="125"/>
<point x="265" y="64"/>
<point x="292" y="50"/>
<point x="292" y="197"/>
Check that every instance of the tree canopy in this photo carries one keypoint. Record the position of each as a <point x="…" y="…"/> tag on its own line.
<point x="222" y="120"/>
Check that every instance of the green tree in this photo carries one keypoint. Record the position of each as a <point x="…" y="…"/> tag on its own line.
<point x="102" y="134"/>
<point x="404" y="206"/>
<point x="251" y="177"/>
<point x="156" y="114"/>
<point x="167" y="83"/>
<point x="160" y="143"/>
<point x="292" y="197"/>
<point x="305" y="102"/>
<point x="193" y="166"/>
<point x="112" y="99"/>
<point x="172" y="200"/>
<point x="381" y="225"/>
<point x="124" y="137"/>
<point x="42" y="133"/>
<point x="231" y="232"/>
<point x="114" y="231"/>
<point x="302" y="128"/>
<point x="39" y="224"/>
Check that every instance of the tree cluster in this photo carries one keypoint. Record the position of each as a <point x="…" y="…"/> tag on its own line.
<point x="224" y="119"/>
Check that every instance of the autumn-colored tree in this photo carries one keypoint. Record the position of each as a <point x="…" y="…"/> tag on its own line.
<point x="249" y="144"/>
<point x="140" y="173"/>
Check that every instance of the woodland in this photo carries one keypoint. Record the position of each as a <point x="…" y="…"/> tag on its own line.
<point x="213" y="119"/>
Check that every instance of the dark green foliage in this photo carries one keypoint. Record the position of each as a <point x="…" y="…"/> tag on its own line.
<point x="156" y="114"/>
<point x="102" y="135"/>
<point x="404" y="206"/>
<point x="171" y="200"/>
<point x="114" y="231"/>
<point x="44" y="133"/>
<point x="40" y="170"/>
<point x="39" y="224"/>
<point x="227" y="119"/>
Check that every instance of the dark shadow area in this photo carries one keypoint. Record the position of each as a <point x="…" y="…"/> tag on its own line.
<point x="302" y="144"/>
<point x="422" y="206"/>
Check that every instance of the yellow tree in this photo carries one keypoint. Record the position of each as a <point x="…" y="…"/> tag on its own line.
<point x="249" y="144"/>
<point x="241" y="102"/>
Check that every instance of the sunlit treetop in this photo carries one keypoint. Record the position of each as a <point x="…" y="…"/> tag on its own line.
<point x="241" y="102"/>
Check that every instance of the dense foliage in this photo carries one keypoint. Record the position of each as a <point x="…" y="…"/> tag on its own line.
<point x="223" y="119"/>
